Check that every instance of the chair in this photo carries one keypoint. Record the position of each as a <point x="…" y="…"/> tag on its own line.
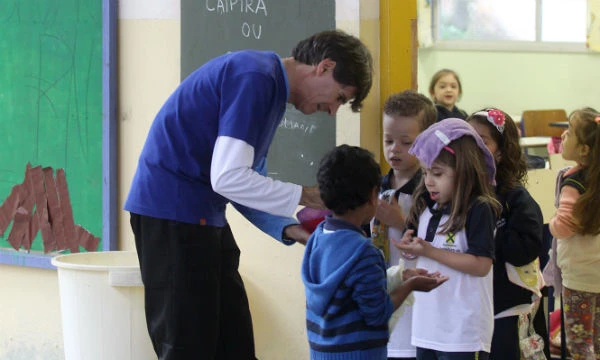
<point x="537" y="122"/>
<point x="535" y="162"/>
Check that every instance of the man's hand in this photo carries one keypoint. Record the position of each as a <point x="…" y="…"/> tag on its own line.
<point x="311" y="197"/>
<point x="297" y="233"/>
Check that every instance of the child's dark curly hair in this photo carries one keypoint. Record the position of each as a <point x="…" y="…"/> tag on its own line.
<point x="347" y="177"/>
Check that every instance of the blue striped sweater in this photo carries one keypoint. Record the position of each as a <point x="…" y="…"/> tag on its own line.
<point x="347" y="305"/>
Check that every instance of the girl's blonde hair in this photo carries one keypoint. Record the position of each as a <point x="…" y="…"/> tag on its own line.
<point x="587" y="133"/>
<point x="471" y="183"/>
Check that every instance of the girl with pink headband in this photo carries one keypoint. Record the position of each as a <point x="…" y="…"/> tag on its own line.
<point x="519" y="233"/>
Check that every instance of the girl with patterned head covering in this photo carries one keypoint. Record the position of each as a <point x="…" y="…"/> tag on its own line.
<point x="451" y="230"/>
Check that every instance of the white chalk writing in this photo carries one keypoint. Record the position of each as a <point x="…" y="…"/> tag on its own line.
<point x="243" y="6"/>
<point x="256" y="7"/>
<point x="296" y="125"/>
<point x="256" y="30"/>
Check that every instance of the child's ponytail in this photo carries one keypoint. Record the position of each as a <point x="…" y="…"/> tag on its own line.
<point x="586" y="208"/>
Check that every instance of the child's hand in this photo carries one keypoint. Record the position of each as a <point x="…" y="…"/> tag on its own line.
<point x="426" y="283"/>
<point x="411" y="244"/>
<point x="406" y="237"/>
<point x="390" y="213"/>
<point x="408" y="273"/>
<point x="412" y="272"/>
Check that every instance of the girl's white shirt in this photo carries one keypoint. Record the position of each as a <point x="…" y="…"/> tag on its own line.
<point x="459" y="315"/>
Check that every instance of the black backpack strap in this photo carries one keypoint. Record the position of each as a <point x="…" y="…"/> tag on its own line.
<point x="575" y="180"/>
<point x="563" y="332"/>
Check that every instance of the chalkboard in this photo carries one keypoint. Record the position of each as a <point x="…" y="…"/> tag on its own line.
<point x="213" y="27"/>
<point x="56" y="127"/>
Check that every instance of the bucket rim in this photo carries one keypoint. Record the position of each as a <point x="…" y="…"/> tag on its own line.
<point x="60" y="264"/>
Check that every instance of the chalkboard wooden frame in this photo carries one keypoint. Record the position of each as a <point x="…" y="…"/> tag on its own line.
<point x="109" y="148"/>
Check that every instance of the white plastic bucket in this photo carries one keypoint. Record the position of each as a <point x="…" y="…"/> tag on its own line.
<point x="102" y="305"/>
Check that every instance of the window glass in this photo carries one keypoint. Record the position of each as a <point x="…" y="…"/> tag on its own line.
<point x="486" y="20"/>
<point x="563" y="20"/>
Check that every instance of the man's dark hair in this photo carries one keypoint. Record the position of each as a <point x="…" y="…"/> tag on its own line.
<point x="347" y="176"/>
<point x="353" y="61"/>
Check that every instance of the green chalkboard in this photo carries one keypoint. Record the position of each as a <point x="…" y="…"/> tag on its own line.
<point x="51" y="101"/>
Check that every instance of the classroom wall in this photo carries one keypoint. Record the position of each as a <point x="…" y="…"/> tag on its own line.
<point x="148" y="56"/>
<point x="517" y="81"/>
<point x="148" y="71"/>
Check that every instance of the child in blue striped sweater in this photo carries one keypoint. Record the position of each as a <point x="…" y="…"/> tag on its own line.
<point x="347" y="300"/>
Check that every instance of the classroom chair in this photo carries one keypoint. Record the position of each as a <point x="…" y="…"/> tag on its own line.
<point x="537" y="122"/>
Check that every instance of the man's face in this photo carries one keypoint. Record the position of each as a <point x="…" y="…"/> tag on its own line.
<point x="323" y="93"/>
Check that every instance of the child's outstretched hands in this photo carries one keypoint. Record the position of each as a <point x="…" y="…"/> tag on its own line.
<point x="412" y="272"/>
<point x="421" y="280"/>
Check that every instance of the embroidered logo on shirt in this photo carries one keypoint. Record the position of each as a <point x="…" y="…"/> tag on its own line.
<point x="450" y="243"/>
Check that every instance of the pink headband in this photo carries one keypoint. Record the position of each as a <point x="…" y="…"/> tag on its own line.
<point x="449" y="149"/>
<point x="494" y="117"/>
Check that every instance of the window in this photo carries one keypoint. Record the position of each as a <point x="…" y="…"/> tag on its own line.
<point x="500" y="22"/>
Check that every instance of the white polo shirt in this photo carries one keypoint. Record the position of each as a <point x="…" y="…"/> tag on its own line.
<point x="458" y="316"/>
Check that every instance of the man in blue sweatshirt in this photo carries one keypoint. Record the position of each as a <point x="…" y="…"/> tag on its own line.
<point x="207" y="147"/>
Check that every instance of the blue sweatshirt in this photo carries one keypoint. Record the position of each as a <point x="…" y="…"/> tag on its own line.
<point x="347" y="304"/>
<point x="241" y="95"/>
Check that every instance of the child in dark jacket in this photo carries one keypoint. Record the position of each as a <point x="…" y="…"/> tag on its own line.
<point x="519" y="231"/>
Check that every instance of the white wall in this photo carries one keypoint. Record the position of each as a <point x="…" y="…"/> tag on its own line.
<point x="30" y="314"/>
<point x="517" y="81"/>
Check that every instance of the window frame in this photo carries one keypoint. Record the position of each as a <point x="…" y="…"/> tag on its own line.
<point x="504" y="45"/>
